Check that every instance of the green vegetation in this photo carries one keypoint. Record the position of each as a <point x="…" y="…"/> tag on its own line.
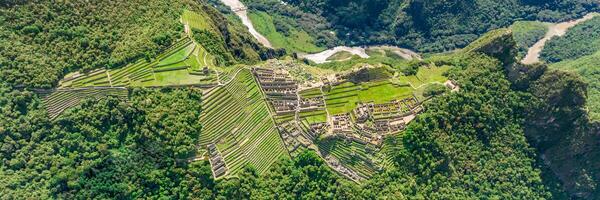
<point x="527" y="33"/>
<point x="237" y="119"/>
<point x="101" y="148"/>
<point x="291" y="22"/>
<point x="344" y="98"/>
<point x="355" y="62"/>
<point x="588" y="67"/>
<point x="281" y="34"/>
<point x="429" y="25"/>
<point x="228" y="40"/>
<point x="180" y="64"/>
<point x="581" y="40"/>
<point x="511" y="132"/>
<point x="197" y="20"/>
<point x="434" y="90"/>
<point x="426" y="75"/>
<point x="340" y="56"/>
<point x="58" y="101"/>
<point x="178" y="56"/>
<point x="69" y="36"/>
<point x="351" y="154"/>
<point x="378" y="86"/>
<point x="578" y="51"/>
<point x="318" y="116"/>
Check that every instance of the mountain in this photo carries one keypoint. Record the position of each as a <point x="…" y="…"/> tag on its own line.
<point x="425" y="25"/>
<point x="42" y="41"/>
<point x="175" y="99"/>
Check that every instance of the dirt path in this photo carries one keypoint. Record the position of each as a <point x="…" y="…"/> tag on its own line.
<point x="240" y="10"/>
<point x="109" y="80"/>
<point x="533" y="55"/>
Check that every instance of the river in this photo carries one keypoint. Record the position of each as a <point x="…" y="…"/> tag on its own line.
<point x="533" y="54"/>
<point x="241" y="11"/>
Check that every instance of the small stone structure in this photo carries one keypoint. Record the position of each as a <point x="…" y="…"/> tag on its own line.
<point x="217" y="162"/>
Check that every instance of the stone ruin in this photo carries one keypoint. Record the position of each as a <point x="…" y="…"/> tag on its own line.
<point x="335" y="164"/>
<point x="341" y="123"/>
<point x="280" y="88"/>
<point x="217" y="162"/>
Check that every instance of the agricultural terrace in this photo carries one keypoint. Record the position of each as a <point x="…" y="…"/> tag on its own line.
<point x="181" y="64"/>
<point x="312" y="116"/>
<point x="344" y="98"/>
<point x="424" y="77"/>
<point x="57" y="101"/>
<point x="237" y="119"/>
<point x="196" y="20"/>
<point x="392" y="145"/>
<point x="355" y="156"/>
<point x="184" y="63"/>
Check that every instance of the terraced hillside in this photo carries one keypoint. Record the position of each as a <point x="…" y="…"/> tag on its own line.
<point x="57" y="101"/>
<point x="236" y="118"/>
<point x="181" y="64"/>
<point x="355" y="156"/>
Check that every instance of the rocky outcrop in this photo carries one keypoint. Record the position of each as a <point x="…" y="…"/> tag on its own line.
<point x="499" y="44"/>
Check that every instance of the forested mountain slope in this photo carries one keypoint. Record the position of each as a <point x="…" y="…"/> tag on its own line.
<point x="578" y="52"/>
<point x="40" y="41"/>
<point x="427" y="25"/>
<point x="511" y="131"/>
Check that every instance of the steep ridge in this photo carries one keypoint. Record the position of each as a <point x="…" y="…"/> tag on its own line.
<point x="557" y="124"/>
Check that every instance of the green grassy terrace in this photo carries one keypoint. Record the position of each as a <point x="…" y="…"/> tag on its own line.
<point x="345" y="97"/>
<point x="237" y="119"/>
<point x="352" y="155"/>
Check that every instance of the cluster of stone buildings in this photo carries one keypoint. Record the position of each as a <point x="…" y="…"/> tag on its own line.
<point x="280" y="88"/>
<point x="294" y="137"/>
<point x="312" y="103"/>
<point x="369" y="122"/>
<point x="341" y="123"/>
<point x="217" y="162"/>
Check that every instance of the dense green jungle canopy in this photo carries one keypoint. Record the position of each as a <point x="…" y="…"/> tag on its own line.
<point x="423" y="25"/>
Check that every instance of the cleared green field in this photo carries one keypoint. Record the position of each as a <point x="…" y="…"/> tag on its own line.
<point x="237" y="118"/>
<point x="345" y="97"/>
<point x="317" y="116"/>
<point x="352" y="155"/>
<point x="310" y="93"/>
<point x="296" y="41"/>
<point x="426" y="75"/>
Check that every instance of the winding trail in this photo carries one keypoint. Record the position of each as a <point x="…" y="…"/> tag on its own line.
<point x="241" y="11"/>
<point x="533" y="55"/>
